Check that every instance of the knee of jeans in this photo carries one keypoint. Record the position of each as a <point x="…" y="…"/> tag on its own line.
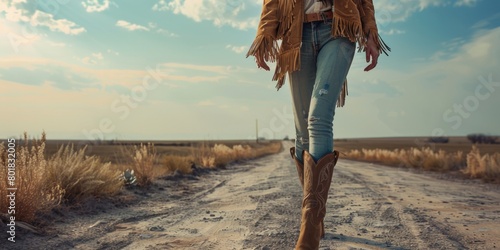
<point x="314" y="120"/>
<point x="319" y="125"/>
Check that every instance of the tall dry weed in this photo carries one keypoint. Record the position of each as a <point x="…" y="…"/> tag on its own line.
<point x="473" y="165"/>
<point x="33" y="194"/>
<point x="220" y="155"/>
<point x="174" y="163"/>
<point x="81" y="176"/>
<point x="203" y="156"/>
<point x="483" y="166"/>
<point x="424" y="158"/>
<point x="143" y="159"/>
<point x="43" y="183"/>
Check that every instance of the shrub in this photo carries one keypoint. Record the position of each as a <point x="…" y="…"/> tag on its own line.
<point x="42" y="184"/>
<point x="474" y="165"/>
<point x="34" y="194"/>
<point x="220" y="155"/>
<point x="81" y="176"/>
<point x="439" y="139"/>
<point x="483" y="166"/>
<point x="481" y="138"/>
<point x="143" y="159"/>
<point x="424" y="158"/>
<point x="178" y="163"/>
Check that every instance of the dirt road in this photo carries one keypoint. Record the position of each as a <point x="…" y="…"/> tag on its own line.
<point x="256" y="205"/>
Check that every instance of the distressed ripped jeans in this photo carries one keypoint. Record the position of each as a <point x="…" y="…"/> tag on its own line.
<point x="325" y="62"/>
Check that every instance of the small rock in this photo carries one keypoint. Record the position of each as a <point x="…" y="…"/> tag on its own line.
<point x="146" y="236"/>
<point x="157" y="228"/>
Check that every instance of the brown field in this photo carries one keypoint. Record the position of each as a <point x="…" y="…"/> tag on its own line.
<point x="457" y="157"/>
<point x="112" y="151"/>
<point x="454" y="145"/>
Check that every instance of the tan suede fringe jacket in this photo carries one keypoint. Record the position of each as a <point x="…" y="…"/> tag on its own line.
<point x="283" y="19"/>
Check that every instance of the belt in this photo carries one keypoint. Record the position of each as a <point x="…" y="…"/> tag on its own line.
<point x="321" y="16"/>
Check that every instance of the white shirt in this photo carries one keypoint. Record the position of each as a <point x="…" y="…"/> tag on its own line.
<point x="316" y="6"/>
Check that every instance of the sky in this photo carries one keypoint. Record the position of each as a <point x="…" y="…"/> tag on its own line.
<point x="176" y="70"/>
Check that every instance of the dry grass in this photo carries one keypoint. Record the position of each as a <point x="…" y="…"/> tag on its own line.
<point x="179" y="163"/>
<point x="485" y="167"/>
<point x="220" y="155"/>
<point x="45" y="180"/>
<point x="474" y="165"/>
<point x="217" y="156"/>
<point x="143" y="159"/>
<point x="43" y="184"/>
<point x="81" y="176"/>
<point x="33" y="194"/>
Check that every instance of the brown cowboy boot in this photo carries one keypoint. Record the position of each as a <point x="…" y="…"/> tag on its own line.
<point x="317" y="180"/>
<point x="300" y="171"/>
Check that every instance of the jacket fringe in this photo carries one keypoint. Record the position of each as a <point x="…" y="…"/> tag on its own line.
<point x="286" y="17"/>
<point x="265" y="46"/>
<point x="354" y="32"/>
<point x="343" y="95"/>
<point x="287" y="62"/>
<point x="381" y="45"/>
<point x="351" y="30"/>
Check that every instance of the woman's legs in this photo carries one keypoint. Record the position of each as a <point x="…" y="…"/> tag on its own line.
<point x="325" y="62"/>
<point x="301" y="85"/>
<point x="333" y="63"/>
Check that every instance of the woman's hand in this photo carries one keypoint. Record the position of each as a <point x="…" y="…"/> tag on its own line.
<point x="371" y="51"/>
<point x="261" y="63"/>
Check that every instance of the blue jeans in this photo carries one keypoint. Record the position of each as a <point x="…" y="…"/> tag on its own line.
<point x="325" y="62"/>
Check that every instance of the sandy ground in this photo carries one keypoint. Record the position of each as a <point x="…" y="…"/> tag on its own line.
<point x="256" y="205"/>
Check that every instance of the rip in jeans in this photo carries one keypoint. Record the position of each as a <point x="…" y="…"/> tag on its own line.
<point x="303" y="140"/>
<point x="324" y="90"/>
<point x="313" y="119"/>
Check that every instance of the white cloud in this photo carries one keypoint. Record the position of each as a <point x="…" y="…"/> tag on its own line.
<point x="393" y="32"/>
<point x="66" y="90"/>
<point x="171" y="73"/>
<point x="95" y="5"/>
<point x="17" y="40"/>
<point x="390" y="11"/>
<point x="428" y="92"/>
<point x="485" y="22"/>
<point x="466" y="2"/>
<point x="166" y="33"/>
<point x="220" y="12"/>
<point x="110" y="51"/>
<point x="19" y="11"/>
<point x="237" y="14"/>
<point x="94" y="58"/>
<point x="152" y="26"/>
<point x="237" y="49"/>
<point x="65" y="26"/>
<point x="14" y="11"/>
<point x="160" y="6"/>
<point x="130" y="26"/>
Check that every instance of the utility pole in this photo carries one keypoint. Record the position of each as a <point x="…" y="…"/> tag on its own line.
<point x="257" y="130"/>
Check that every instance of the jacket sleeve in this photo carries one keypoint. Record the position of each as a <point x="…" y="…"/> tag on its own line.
<point x="265" y="43"/>
<point x="370" y="25"/>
